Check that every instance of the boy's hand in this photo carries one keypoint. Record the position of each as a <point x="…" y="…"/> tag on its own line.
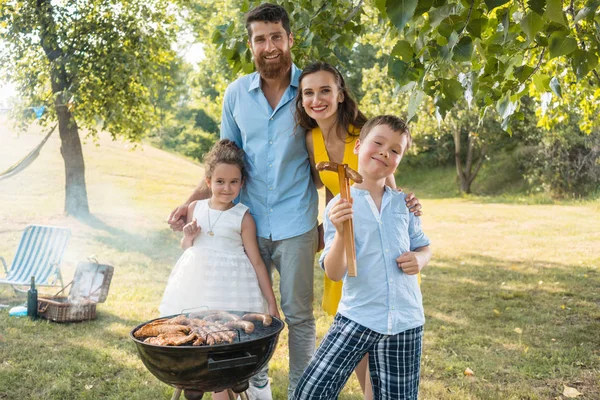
<point x="192" y="229"/>
<point x="340" y="212"/>
<point x="410" y="263"/>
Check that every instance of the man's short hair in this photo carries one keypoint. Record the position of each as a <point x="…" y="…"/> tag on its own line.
<point x="267" y="12"/>
<point x="395" y="123"/>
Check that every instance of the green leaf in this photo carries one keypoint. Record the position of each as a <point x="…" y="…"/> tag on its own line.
<point x="476" y="26"/>
<point x="402" y="72"/>
<point x="413" y="103"/>
<point x="463" y="50"/>
<point x="400" y="11"/>
<point x="537" y="5"/>
<point x="423" y="6"/>
<point x="560" y="44"/>
<point x="587" y="11"/>
<point x="380" y="4"/>
<point x="523" y="72"/>
<point x="437" y="15"/>
<point x="403" y="50"/>
<point x="491" y="4"/>
<point x="554" y="12"/>
<point x="555" y="86"/>
<point x="583" y="62"/>
<point x="531" y="24"/>
<point x="541" y="82"/>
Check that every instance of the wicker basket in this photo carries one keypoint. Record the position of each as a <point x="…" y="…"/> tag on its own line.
<point x="89" y="287"/>
<point x="60" y="309"/>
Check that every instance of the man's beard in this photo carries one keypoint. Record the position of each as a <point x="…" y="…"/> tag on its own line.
<point x="269" y="70"/>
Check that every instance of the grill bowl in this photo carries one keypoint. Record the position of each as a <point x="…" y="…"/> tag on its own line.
<point x="211" y="368"/>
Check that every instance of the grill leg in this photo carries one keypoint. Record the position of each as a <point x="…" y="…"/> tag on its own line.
<point x="231" y="394"/>
<point x="243" y="396"/>
<point x="176" y="394"/>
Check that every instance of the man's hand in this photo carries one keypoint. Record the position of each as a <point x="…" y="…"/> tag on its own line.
<point x="413" y="204"/>
<point x="177" y="218"/>
<point x="410" y="262"/>
<point x="321" y="233"/>
<point x="273" y="311"/>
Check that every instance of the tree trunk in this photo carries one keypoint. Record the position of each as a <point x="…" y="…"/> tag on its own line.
<point x="466" y="175"/>
<point x="76" y="200"/>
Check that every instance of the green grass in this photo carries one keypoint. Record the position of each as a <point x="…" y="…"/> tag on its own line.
<point x="499" y="268"/>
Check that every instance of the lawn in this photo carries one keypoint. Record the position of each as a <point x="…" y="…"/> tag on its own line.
<point x="512" y="293"/>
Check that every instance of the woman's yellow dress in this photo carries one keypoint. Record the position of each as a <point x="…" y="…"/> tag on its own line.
<point x="332" y="291"/>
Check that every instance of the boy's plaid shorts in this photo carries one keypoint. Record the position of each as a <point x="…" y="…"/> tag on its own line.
<point x="394" y="362"/>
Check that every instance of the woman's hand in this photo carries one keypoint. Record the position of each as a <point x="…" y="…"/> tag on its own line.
<point x="340" y="212"/>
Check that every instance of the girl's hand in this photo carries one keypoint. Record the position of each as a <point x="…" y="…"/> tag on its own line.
<point x="340" y="212"/>
<point x="191" y="230"/>
<point x="410" y="262"/>
<point x="273" y="311"/>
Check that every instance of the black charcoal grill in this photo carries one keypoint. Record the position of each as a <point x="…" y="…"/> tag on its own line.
<point x="200" y="369"/>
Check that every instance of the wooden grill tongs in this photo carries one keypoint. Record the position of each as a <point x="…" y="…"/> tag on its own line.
<point x="345" y="174"/>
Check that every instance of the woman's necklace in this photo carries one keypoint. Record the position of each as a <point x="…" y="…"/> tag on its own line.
<point x="210" y="226"/>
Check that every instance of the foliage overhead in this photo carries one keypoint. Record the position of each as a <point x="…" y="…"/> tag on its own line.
<point x="102" y="59"/>
<point x="491" y="53"/>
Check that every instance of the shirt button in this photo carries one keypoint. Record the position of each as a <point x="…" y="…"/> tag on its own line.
<point x="271" y="118"/>
<point x="387" y="250"/>
<point x="391" y="281"/>
<point x="271" y="210"/>
<point x="270" y="142"/>
<point x="270" y="187"/>
<point x="393" y="308"/>
<point x="270" y="165"/>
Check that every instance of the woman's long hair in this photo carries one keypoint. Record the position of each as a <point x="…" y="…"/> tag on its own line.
<point x="347" y="113"/>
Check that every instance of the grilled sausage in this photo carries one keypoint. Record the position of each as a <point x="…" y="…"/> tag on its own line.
<point x="247" y="326"/>
<point x="333" y="167"/>
<point x="221" y="316"/>
<point x="155" y="330"/>
<point x="264" y="318"/>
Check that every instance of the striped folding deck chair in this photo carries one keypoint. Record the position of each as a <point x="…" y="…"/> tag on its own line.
<point x="39" y="254"/>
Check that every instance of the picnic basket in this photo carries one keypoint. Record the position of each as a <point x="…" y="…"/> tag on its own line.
<point x="89" y="286"/>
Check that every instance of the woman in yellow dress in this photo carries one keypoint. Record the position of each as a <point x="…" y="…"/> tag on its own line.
<point x="333" y="121"/>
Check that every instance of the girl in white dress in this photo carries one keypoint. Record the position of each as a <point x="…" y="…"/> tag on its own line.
<point x="221" y="267"/>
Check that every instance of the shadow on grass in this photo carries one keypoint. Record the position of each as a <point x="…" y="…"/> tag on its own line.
<point x="520" y="322"/>
<point x="84" y="360"/>
<point x="160" y="246"/>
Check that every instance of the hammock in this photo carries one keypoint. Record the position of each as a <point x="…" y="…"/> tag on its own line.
<point x="27" y="160"/>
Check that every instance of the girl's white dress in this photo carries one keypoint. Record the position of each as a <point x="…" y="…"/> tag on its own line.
<point x="215" y="273"/>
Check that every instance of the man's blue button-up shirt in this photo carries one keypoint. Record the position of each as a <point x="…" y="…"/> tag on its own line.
<point x="381" y="297"/>
<point x="279" y="192"/>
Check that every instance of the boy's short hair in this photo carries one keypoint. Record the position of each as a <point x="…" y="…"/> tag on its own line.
<point x="395" y="123"/>
<point x="267" y="12"/>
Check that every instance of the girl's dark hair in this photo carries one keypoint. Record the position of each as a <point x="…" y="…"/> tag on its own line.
<point x="348" y="112"/>
<point x="227" y="152"/>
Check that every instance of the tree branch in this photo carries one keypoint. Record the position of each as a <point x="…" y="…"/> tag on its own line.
<point x="353" y="12"/>
<point x="468" y="17"/>
<point x="537" y="67"/>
